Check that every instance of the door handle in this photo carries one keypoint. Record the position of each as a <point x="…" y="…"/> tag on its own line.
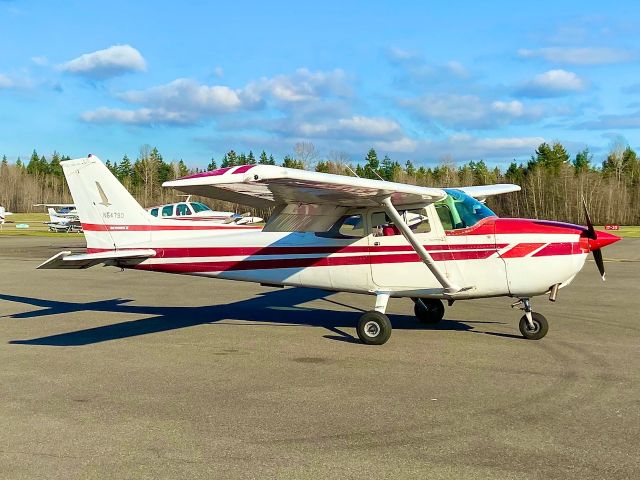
<point x="376" y="244"/>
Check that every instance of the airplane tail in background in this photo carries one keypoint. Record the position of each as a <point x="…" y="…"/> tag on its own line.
<point x="111" y="218"/>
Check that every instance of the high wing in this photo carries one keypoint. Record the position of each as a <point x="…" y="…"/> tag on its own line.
<point x="303" y="200"/>
<point x="65" y="260"/>
<point x="481" y="192"/>
<point x="262" y="186"/>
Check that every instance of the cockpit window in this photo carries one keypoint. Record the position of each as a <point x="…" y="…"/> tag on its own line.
<point x="199" y="207"/>
<point x="459" y="210"/>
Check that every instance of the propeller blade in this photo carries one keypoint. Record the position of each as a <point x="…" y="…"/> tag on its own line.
<point x="591" y="233"/>
<point x="597" y="256"/>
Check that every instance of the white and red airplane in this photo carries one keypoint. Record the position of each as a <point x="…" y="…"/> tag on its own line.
<point x="188" y="210"/>
<point x="339" y="233"/>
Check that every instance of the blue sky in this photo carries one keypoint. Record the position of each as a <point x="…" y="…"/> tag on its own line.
<point x="456" y="80"/>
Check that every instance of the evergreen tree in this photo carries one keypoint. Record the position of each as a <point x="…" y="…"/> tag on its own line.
<point x="5" y="162"/>
<point x="211" y="166"/>
<point x="183" y="171"/>
<point x="263" y="159"/>
<point x="272" y="161"/>
<point x="55" y="166"/>
<point x="230" y="159"/>
<point x="19" y="163"/>
<point x="242" y="159"/>
<point x="292" y="163"/>
<point x="372" y="164"/>
<point x="251" y="160"/>
<point x="582" y="162"/>
<point x="410" y="169"/>
<point x="125" y="169"/>
<point x="33" y="167"/>
<point x="322" y="166"/>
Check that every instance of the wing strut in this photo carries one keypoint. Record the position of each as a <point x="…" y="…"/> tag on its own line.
<point x="417" y="246"/>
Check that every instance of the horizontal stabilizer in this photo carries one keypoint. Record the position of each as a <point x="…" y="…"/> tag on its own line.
<point x="65" y="260"/>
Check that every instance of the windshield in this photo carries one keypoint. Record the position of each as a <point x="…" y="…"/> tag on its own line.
<point x="199" y="207"/>
<point x="459" y="210"/>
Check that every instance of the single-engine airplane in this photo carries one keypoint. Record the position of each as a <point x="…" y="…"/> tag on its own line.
<point x="339" y="233"/>
<point x="188" y="210"/>
<point x="63" y="220"/>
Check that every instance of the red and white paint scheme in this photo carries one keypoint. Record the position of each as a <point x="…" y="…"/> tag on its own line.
<point x="338" y="233"/>
<point x="188" y="210"/>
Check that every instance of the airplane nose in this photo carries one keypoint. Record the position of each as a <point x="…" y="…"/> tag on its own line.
<point x="602" y="240"/>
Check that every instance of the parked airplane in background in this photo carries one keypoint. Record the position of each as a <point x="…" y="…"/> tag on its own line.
<point x="3" y="215"/>
<point x="63" y="220"/>
<point x="189" y="210"/>
<point x="339" y="233"/>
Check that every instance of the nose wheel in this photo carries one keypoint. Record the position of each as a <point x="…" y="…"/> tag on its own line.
<point x="533" y="325"/>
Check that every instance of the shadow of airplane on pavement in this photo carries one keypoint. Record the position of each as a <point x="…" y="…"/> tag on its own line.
<point x="273" y="308"/>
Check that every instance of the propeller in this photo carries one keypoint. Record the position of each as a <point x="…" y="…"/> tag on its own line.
<point x="594" y="245"/>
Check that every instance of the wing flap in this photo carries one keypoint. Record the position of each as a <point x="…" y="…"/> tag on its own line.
<point x="65" y="260"/>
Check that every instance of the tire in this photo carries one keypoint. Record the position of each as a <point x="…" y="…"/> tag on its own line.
<point x="374" y="328"/>
<point x="428" y="311"/>
<point x="541" y="324"/>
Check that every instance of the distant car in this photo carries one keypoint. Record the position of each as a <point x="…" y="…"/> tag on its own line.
<point x="199" y="211"/>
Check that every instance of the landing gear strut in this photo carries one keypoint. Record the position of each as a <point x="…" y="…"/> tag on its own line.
<point x="374" y="327"/>
<point x="427" y="310"/>
<point x="533" y="325"/>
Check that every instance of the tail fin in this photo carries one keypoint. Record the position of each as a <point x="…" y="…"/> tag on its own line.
<point x="111" y="218"/>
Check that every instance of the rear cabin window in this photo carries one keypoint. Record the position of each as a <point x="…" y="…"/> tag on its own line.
<point x="182" y="209"/>
<point x="167" y="210"/>
<point x="154" y="212"/>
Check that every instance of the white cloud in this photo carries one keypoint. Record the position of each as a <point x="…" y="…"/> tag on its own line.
<point x="303" y="85"/>
<point x="579" y="55"/>
<point x="611" y="122"/>
<point x="142" y="116"/>
<point x="470" y="111"/>
<point x="186" y="95"/>
<point x="553" y="83"/>
<point x="40" y="61"/>
<point x="110" y="62"/>
<point x="6" y="82"/>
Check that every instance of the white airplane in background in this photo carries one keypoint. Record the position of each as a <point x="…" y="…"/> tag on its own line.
<point x="339" y="233"/>
<point x="188" y="210"/>
<point x="64" y="219"/>
<point x="3" y="215"/>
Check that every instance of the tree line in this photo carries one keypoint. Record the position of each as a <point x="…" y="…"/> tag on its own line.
<point x="553" y="183"/>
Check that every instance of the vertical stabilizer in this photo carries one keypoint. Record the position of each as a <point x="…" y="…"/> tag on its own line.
<point x="111" y="218"/>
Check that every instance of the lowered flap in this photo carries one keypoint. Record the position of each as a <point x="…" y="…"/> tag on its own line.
<point x="65" y="260"/>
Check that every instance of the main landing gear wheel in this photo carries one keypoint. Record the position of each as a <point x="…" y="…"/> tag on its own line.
<point x="428" y="310"/>
<point x="540" y="326"/>
<point x="374" y="328"/>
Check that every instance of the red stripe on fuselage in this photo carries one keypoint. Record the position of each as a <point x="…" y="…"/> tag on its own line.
<point x="185" y="252"/>
<point x="97" y="227"/>
<point x="521" y="250"/>
<point x="267" y="264"/>
<point x="562" y="248"/>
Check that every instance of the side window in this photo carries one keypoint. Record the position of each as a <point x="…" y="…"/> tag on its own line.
<point x="347" y="226"/>
<point x="445" y="216"/>
<point x="167" y="210"/>
<point x="352" y="226"/>
<point x="382" y="226"/>
<point x="182" y="209"/>
<point x="418" y="220"/>
<point x="154" y="212"/>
